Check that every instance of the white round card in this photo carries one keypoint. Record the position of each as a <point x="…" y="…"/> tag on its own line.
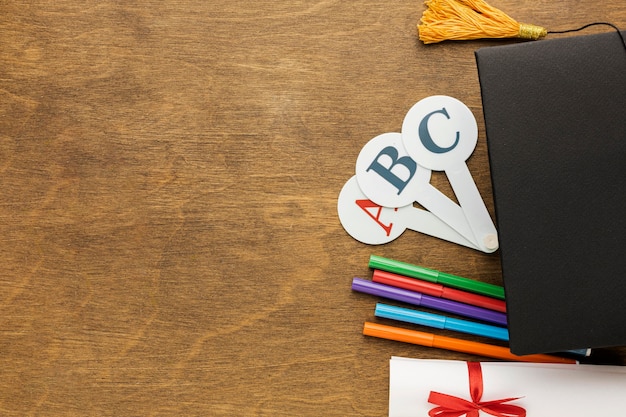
<point x="439" y="132"/>
<point x="365" y="220"/>
<point x="386" y="173"/>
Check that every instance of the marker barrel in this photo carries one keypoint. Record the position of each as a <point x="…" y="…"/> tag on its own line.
<point x="437" y="321"/>
<point x="414" y="271"/>
<point x="457" y="345"/>
<point x="438" y="290"/>
<point x="415" y="298"/>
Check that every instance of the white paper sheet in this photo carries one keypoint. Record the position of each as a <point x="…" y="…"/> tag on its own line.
<point x="546" y="390"/>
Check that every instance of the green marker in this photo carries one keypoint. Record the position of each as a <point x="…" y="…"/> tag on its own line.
<point x="419" y="272"/>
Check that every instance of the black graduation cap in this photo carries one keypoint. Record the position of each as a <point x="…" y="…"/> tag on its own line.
<point x="555" y="116"/>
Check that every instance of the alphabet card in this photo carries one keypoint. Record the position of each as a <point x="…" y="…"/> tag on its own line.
<point x="393" y="171"/>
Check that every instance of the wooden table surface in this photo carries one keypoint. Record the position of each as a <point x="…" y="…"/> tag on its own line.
<point x="170" y="174"/>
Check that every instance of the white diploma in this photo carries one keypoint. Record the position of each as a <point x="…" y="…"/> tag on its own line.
<point x="541" y="390"/>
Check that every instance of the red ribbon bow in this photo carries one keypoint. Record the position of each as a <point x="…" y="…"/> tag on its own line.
<point x="451" y="406"/>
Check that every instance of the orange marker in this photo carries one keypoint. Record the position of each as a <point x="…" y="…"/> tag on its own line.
<point x="451" y="343"/>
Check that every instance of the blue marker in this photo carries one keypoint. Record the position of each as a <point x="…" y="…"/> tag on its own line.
<point x="440" y="322"/>
<point x="450" y="323"/>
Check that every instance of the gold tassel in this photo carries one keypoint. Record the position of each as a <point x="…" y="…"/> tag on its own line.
<point x="470" y="19"/>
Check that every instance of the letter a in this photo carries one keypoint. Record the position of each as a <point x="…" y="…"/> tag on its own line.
<point x="366" y="206"/>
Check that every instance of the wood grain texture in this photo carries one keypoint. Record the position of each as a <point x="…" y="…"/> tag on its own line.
<point x="170" y="173"/>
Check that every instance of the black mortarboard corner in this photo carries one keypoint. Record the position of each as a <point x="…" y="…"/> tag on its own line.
<point x="555" y="116"/>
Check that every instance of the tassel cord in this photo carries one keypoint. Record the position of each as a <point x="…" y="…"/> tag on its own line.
<point x="619" y="33"/>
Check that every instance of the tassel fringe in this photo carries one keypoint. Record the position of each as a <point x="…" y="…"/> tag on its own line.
<point x="470" y="19"/>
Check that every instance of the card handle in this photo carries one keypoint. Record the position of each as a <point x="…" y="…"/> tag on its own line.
<point x="473" y="206"/>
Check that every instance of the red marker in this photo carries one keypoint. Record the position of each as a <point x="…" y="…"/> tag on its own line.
<point x="438" y="290"/>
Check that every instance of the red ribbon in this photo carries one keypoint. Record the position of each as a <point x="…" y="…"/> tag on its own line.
<point x="451" y="406"/>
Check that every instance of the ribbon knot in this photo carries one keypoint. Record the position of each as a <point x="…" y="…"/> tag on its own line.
<point x="451" y="406"/>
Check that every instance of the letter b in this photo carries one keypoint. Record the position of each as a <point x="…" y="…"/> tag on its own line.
<point x="386" y="171"/>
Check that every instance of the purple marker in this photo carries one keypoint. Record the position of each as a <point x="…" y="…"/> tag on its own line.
<point x="419" y="299"/>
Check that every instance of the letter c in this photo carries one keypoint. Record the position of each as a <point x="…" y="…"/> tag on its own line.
<point x="428" y="141"/>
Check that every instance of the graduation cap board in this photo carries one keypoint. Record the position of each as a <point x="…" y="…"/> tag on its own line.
<point x="393" y="171"/>
<point x="555" y="116"/>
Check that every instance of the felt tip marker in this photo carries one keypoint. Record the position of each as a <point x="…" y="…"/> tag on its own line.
<point x="449" y="280"/>
<point x="437" y="321"/>
<point x="458" y="345"/>
<point x="418" y="299"/>
<point x="438" y="290"/>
